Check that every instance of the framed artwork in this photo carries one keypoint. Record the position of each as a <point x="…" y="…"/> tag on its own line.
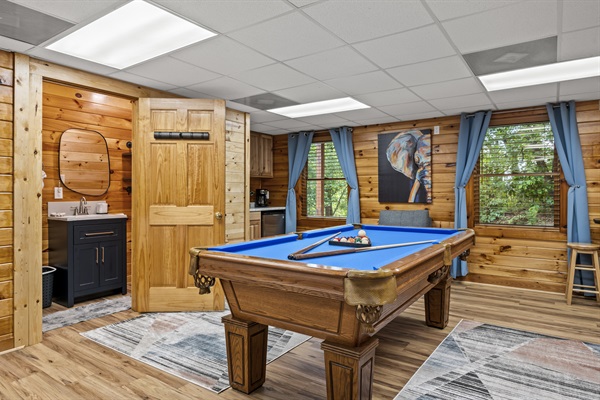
<point x="404" y="166"/>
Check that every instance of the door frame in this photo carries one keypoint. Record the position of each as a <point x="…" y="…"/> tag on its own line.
<point x="29" y="75"/>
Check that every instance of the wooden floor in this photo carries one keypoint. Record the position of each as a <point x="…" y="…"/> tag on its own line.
<point x="68" y="366"/>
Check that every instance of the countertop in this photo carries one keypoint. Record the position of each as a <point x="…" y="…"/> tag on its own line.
<point x="260" y="209"/>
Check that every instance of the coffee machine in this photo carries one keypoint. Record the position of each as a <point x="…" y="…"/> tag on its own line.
<point x="262" y="197"/>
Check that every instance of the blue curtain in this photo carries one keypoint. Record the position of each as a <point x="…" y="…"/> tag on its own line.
<point x="342" y="141"/>
<point x="298" y="148"/>
<point x="566" y="140"/>
<point x="470" y="140"/>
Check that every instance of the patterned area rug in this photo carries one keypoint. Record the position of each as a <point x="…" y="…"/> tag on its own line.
<point x="190" y="345"/>
<point x="481" y="361"/>
<point x="83" y="313"/>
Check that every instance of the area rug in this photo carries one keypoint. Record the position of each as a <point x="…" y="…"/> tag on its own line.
<point x="84" y="313"/>
<point x="481" y="361"/>
<point x="190" y="345"/>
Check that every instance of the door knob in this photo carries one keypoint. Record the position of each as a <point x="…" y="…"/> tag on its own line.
<point x="218" y="215"/>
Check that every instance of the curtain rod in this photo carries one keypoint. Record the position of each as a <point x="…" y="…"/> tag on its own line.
<point x="512" y="110"/>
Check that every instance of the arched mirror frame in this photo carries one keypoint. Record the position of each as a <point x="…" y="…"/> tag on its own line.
<point x="84" y="164"/>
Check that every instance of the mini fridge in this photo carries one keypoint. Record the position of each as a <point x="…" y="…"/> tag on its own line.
<point x="272" y="223"/>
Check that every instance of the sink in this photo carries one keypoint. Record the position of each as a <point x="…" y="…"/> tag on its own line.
<point x="85" y="217"/>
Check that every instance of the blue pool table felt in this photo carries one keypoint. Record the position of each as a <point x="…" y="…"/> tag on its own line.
<point x="278" y="248"/>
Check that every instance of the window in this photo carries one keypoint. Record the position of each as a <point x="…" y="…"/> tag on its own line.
<point x="517" y="179"/>
<point x="325" y="188"/>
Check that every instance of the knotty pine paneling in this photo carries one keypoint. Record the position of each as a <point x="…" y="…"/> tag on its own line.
<point x="66" y="107"/>
<point x="236" y="185"/>
<point x="533" y="259"/>
<point x="6" y="200"/>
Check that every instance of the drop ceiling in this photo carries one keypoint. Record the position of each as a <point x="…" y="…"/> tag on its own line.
<point x="406" y="59"/>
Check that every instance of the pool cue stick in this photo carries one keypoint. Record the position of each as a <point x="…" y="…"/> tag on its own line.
<point x="312" y="246"/>
<point x="355" y="250"/>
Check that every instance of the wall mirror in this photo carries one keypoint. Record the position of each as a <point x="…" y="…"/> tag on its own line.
<point x="83" y="162"/>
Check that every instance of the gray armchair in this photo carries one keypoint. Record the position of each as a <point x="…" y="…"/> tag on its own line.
<point x="418" y="218"/>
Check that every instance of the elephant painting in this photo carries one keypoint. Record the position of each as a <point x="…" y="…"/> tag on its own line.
<point x="405" y="166"/>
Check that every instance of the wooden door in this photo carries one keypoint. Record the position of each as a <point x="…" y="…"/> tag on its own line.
<point x="177" y="201"/>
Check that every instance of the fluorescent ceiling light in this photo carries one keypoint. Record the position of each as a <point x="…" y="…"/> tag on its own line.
<point x="319" y="107"/>
<point x="562" y="71"/>
<point x="136" y="32"/>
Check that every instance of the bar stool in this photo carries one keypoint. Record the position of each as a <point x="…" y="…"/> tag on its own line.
<point x="583" y="248"/>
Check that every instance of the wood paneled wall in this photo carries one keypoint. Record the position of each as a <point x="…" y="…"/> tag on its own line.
<point x="65" y="107"/>
<point x="6" y="201"/>
<point x="237" y="142"/>
<point x="527" y="258"/>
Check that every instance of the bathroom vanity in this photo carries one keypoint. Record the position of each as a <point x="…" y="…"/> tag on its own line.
<point x="89" y="254"/>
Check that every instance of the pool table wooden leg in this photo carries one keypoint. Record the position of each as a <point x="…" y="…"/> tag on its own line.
<point x="349" y="370"/>
<point x="437" y="303"/>
<point x="246" y="353"/>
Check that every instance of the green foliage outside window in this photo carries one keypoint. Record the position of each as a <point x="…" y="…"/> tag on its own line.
<point x="518" y="175"/>
<point x="326" y="187"/>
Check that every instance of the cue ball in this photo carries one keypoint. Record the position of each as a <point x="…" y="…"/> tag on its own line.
<point x="362" y="233"/>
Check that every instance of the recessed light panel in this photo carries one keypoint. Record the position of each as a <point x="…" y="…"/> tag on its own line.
<point x="320" y="107"/>
<point x="558" y="72"/>
<point x="136" y="32"/>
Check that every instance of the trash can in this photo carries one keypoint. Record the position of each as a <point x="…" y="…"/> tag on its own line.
<point x="47" y="284"/>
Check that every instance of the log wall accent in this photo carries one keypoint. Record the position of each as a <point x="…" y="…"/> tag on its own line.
<point x="66" y="107"/>
<point x="6" y="201"/>
<point x="526" y="258"/>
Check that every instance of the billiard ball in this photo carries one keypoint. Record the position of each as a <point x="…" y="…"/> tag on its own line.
<point x="362" y="233"/>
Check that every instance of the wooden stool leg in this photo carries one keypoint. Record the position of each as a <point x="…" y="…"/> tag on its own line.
<point x="349" y="370"/>
<point x="571" y="276"/>
<point x="596" y="264"/>
<point x="246" y="353"/>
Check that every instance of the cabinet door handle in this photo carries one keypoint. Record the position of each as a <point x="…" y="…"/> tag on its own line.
<point x="102" y="254"/>
<point x="99" y="233"/>
<point x="96" y="255"/>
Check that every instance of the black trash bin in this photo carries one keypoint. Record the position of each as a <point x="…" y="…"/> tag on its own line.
<point x="47" y="284"/>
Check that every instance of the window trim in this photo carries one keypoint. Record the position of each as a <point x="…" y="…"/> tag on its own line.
<point x="512" y="117"/>
<point x="319" y="137"/>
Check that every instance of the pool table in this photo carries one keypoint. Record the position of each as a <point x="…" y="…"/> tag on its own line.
<point x="343" y="299"/>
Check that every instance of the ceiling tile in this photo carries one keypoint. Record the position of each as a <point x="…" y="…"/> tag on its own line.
<point x="470" y="109"/>
<point x="173" y="71"/>
<point x="457" y="87"/>
<point x="580" y="44"/>
<point x="191" y="94"/>
<point x="239" y="107"/>
<point x="375" y="121"/>
<point x="225" y="16"/>
<point x="579" y="97"/>
<point x="65" y="59"/>
<point x="388" y="97"/>
<point x="526" y="103"/>
<point x="292" y="124"/>
<point x="273" y="77"/>
<point x="256" y="127"/>
<point x="364" y="83"/>
<point x="522" y="22"/>
<point x="14" y="45"/>
<point x="140" y="80"/>
<point x="440" y="70"/>
<point x="365" y="113"/>
<point x="72" y="10"/>
<point x="309" y="93"/>
<point x="578" y="86"/>
<point x="223" y="55"/>
<point x="265" y="117"/>
<point x="336" y="63"/>
<point x="330" y="120"/>
<point x="226" y="88"/>
<point x="407" y="108"/>
<point x="469" y="100"/>
<point x="417" y="116"/>
<point x="524" y="93"/>
<point x="286" y="37"/>
<point x="414" y="46"/>
<point x="355" y="21"/>
<point x="580" y="15"/>
<point x="302" y="3"/>
<point x="444" y="9"/>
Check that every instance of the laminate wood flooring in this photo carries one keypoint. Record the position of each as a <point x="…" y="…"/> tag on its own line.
<point x="68" y="366"/>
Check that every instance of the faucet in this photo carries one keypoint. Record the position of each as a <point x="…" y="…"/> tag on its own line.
<point x="82" y="206"/>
